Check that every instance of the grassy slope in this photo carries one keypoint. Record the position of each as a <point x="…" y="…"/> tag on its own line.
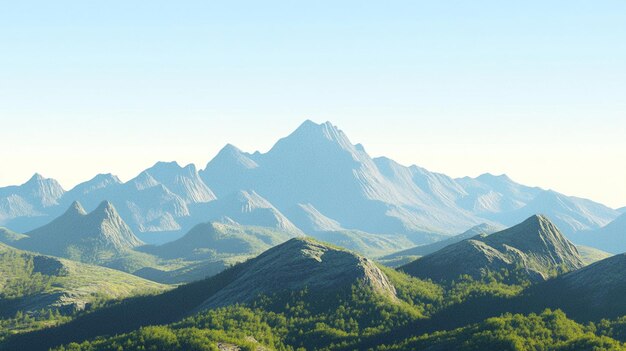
<point x="26" y="283"/>
<point x="591" y="254"/>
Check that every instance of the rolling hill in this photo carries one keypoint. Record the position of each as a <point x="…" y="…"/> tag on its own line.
<point x="31" y="282"/>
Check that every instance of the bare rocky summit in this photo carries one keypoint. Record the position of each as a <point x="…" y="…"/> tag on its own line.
<point x="297" y="264"/>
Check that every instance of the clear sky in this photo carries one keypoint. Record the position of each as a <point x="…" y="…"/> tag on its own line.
<point x="534" y="89"/>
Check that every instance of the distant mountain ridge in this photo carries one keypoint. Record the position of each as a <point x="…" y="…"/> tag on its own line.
<point x="81" y="235"/>
<point x="318" y="167"/>
<point x="535" y="246"/>
<point x="213" y="239"/>
<point x="430" y="248"/>
<point x="611" y="238"/>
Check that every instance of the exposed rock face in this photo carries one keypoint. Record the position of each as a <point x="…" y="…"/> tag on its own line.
<point x="535" y="245"/>
<point x="593" y="292"/>
<point x="79" y="233"/>
<point x="41" y="191"/>
<point x="300" y="263"/>
<point x="35" y="198"/>
<point x="184" y="182"/>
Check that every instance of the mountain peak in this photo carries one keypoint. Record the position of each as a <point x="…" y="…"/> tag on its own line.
<point x="164" y="165"/>
<point x="232" y="155"/>
<point x="300" y="263"/>
<point x="106" y="206"/>
<point x="45" y="190"/>
<point x="326" y="129"/>
<point x="489" y="176"/>
<point x="536" y="244"/>
<point x="83" y="236"/>
<point x="310" y="135"/>
<point x="36" y="178"/>
<point x="109" y="177"/>
<point x="76" y="208"/>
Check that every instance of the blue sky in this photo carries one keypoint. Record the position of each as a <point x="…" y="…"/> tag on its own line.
<point x="534" y="89"/>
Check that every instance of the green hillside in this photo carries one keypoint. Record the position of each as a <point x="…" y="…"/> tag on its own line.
<point x="36" y="290"/>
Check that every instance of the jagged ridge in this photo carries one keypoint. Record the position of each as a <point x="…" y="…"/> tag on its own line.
<point x="535" y="245"/>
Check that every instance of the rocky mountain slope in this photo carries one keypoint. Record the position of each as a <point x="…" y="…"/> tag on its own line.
<point x="591" y="292"/>
<point x="82" y="236"/>
<point x="296" y="264"/>
<point x="536" y="246"/>
<point x="30" y="202"/>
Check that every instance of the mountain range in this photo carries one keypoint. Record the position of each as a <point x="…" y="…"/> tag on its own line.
<point x="315" y="181"/>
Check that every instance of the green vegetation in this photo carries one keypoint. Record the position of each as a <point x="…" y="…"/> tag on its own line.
<point x="301" y="321"/>
<point x="8" y="236"/>
<point x="550" y="330"/>
<point x="26" y="322"/>
<point x="466" y="313"/>
<point x="19" y="277"/>
<point x="345" y="319"/>
<point x="39" y="291"/>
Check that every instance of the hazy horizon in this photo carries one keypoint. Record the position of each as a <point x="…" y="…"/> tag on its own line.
<point x="90" y="88"/>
